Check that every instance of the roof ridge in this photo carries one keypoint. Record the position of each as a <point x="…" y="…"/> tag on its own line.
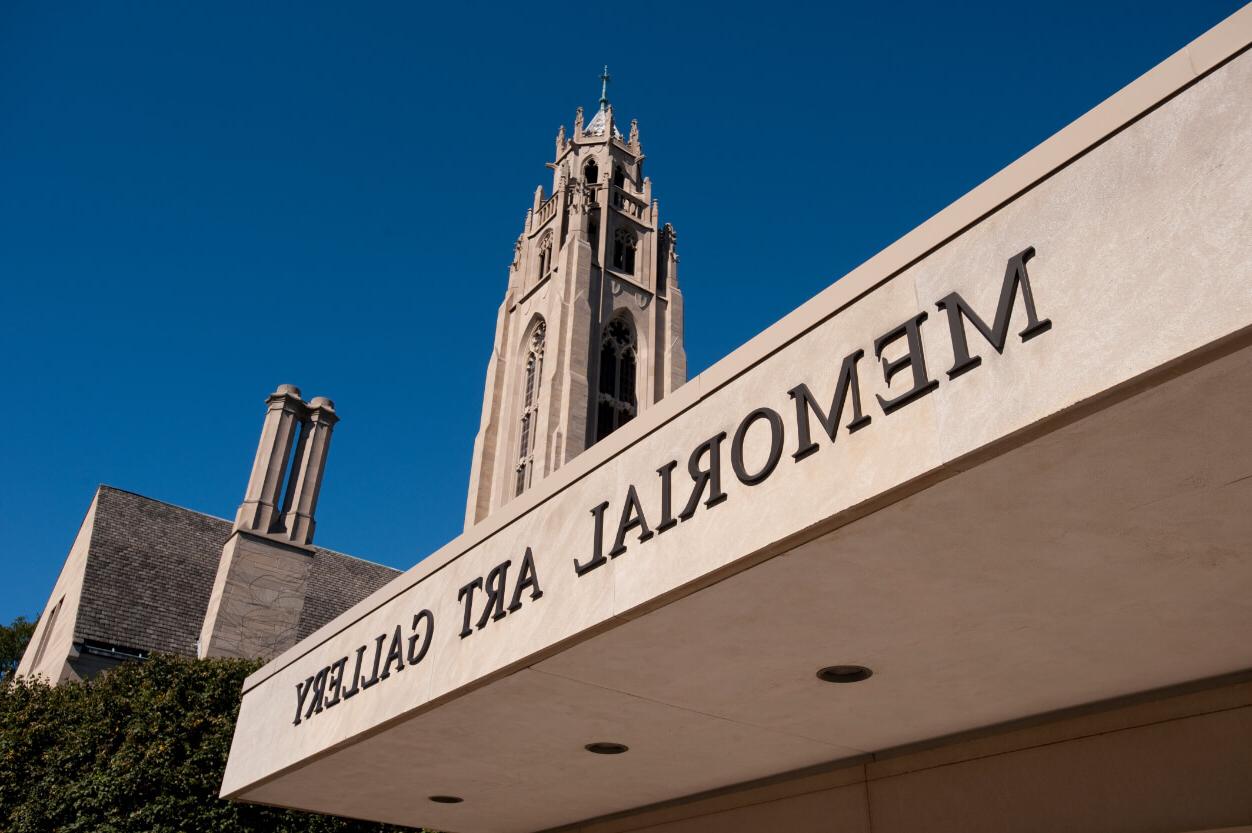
<point x="357" y="558"/>
<point x="104" y="486"/>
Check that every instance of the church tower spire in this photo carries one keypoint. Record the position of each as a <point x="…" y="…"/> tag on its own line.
<point x="590" y="332"/>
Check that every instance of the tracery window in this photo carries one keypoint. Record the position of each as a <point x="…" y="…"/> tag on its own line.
<point x="545" y="253"/>
<point x="530" y="409"/>
<point x="591" y="173"/>
<point x="615" y="405"/>
<point x="624" y="243"/>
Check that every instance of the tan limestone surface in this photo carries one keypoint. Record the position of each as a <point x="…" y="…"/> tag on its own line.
<point x="1020" y="560"/>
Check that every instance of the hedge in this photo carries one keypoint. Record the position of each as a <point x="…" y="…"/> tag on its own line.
<point x="140" y="748"/>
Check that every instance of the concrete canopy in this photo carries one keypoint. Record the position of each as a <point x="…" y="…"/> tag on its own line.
<point x="1062" y="522"/>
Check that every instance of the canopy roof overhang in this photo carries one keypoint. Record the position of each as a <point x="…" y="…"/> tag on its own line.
<point x="1064" y="523"/>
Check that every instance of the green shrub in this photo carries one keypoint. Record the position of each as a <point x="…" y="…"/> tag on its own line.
<point x="140" y="748"/>
<point x="14" y="638"/>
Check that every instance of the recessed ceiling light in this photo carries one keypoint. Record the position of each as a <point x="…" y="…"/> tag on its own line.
<point x="446" y="799"/>
<point x="844" y="674"/>
<point x="606" y="748"/>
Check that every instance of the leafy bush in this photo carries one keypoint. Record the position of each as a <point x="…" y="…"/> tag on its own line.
<point x="140" y="748"/>
<point x="14" y="638"/>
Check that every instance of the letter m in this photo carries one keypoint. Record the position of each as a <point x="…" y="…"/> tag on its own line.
<point x="848" y="382"/>
<point x="997" y="334"/>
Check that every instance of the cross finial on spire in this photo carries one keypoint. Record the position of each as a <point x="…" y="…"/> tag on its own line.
<point x="604" y="88"/>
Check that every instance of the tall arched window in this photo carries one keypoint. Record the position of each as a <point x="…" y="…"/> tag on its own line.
<point x="619" y="176"/>
<point x="545" y="253"/>
<point x="591" y="173"/>
<point x="616" y="402"/>
<point x="624" y="243"/>
<point x="530" y="409"/>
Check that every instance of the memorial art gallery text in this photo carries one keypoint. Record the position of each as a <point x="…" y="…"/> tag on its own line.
<point x="490" y="598"/>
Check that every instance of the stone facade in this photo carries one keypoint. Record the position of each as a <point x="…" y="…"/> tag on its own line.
<point x="590" y="332"/>
<point x="1021" y="507"/>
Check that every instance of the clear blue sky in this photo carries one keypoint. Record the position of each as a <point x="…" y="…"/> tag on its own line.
<point x="198" y="202"/>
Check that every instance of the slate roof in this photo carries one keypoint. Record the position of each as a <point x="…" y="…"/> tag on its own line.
<point x="150" y="570"/>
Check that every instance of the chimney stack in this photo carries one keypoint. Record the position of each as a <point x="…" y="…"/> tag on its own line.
<point x="288" y="422"/>
<point x="258" y="595"/>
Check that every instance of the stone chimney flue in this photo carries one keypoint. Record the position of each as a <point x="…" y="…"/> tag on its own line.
<point x="258" y="594"/>
<point x="295" y="440"/>
<point x="307" y="467"/>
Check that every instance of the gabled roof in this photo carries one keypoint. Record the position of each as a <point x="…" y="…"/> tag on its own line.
<point x="150" y="570"/>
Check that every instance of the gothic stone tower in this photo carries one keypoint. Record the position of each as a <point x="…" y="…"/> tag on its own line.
<point x="591" y="329"/>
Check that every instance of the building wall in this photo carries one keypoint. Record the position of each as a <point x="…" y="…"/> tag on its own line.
<point x="1178" y="763"/>
<point x="53" y="640"/>
<point x="140" y="574"/>
<point x="1057" y="527"/>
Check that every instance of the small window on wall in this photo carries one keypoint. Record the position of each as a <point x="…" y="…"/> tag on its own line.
<point x="593" y="237"/>
<point x="591" y="173"/>
<point x="619" y="176"/>
<point x="545" y="254"/>
<point x="624" y="243"/>
<point x="615" y="405"/>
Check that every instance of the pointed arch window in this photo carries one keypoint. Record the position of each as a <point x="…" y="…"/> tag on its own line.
<point x="624" y="243"/>
<point x="619" y="176"/>
<point x="591" y="172"/>
<point x="545" y="253"/>
<point x="530" y="409"/>
<point x="615" y="405"/>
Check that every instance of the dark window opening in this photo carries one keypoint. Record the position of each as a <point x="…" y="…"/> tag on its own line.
<point x="616" y="405"/>
<point x="545" y="254"/>
<point x="624" y="251"/>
